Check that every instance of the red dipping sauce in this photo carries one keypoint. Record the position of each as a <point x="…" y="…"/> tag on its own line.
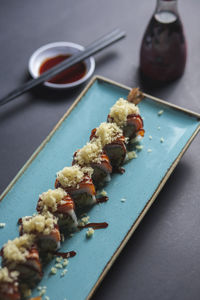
<point x="70" y="75"/>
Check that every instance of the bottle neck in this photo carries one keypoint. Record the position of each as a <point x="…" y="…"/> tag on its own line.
<point x="167" y="6"/>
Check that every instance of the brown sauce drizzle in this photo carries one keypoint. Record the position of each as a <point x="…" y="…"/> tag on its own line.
<point x="19" y="222"/>
<point x="95" y="225"/>
<point x="102" y="199"/>
<point x="65" y="254"/>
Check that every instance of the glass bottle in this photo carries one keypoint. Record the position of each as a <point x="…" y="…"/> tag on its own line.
<point x="163" y="49"/>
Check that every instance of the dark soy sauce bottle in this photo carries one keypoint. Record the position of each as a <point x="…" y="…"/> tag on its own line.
<point x="163" y="49"/>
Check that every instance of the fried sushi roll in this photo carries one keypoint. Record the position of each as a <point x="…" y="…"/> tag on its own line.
<point x="92" y="155"/>
<point x="113" y="142"/>
<point x="78" y="183"/>
<point x="127" y="116"/>
<point x="21" y="254"/>
<point x="45" y="230"/>
<point x="9" y="286"/>
<point x="61" y="205"/>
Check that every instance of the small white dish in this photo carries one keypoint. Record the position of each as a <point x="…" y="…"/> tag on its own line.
<point x="52" y="50"/>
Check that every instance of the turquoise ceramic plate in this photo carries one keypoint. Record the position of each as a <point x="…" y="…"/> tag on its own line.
<point x="171" y="132"/>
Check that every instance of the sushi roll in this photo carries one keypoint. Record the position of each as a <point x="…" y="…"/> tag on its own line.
<point x="127" y="116"/>
<point x="92" y="155"/>
<point x="45" y="230"/>
<point x="21" y="254"/>
<point x="113" y="142"/>
<point x="9" y="286"/>
<point x="78" y="183"/>
<point x="61" y="205"/>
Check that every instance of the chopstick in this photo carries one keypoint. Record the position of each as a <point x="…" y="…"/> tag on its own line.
<point x="93" y="48"/>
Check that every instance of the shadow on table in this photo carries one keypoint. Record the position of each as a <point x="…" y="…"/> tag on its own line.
<point x="36" y="95"/>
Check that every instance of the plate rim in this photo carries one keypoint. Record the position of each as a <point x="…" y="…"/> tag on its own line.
<point x="157" y="190"/>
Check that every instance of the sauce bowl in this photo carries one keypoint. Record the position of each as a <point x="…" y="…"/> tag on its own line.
<point x="52" y="50"/>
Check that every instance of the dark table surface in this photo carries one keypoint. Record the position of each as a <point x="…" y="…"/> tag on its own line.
<point x="162" y="259"/>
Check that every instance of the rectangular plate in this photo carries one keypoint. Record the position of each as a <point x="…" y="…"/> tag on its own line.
<point x="95" y="256"/>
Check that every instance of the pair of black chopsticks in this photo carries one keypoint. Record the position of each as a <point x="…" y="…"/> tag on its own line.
<point x="92" y="49"/>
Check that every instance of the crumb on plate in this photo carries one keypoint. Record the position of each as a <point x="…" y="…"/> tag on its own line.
<point x="131" y="155"/>
<point x="139" y="147"/>
<point x="63" y="273"/>
<point x="53" y="270"/>
<point x="42" y="292"/>
<point x="89" y="232"/>
<point x="162" y="140"/>
<point x="84" y="221"/>
<point x="58" y="259"/>
<point x="59" y="266"/>
<point x="160" y="112"/>
<point x="103" y="193"/>
<point x="65" y="262"/>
